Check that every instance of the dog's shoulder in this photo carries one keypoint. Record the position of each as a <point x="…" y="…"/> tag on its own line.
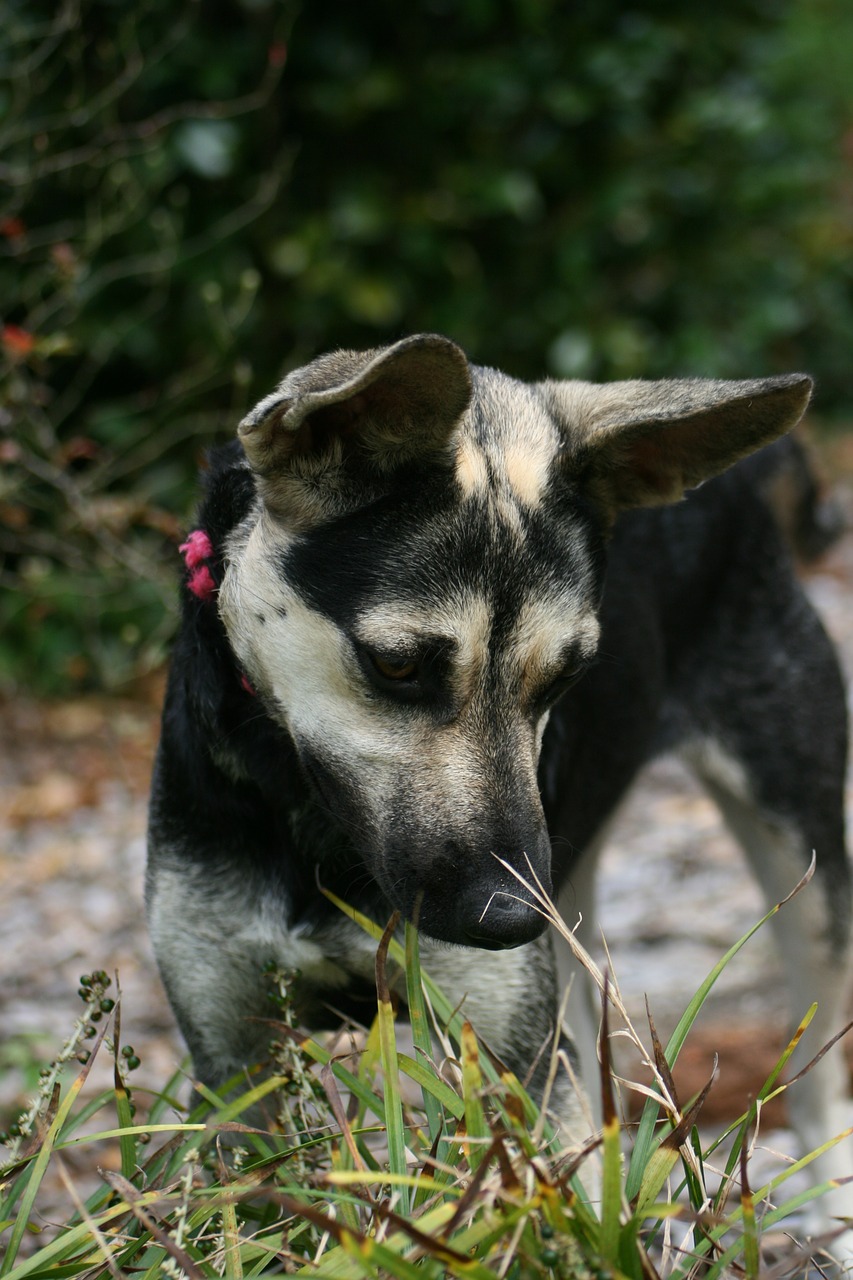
<point x="775" y="496"/>
<point x="731" y="540"/>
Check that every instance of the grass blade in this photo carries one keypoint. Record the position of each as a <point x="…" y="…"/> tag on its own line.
<point x="231" y="1240"/>
<point x="127" y="1130"/>
<point x="472" y="1088"/>
<point x="420" y="1029"/>
<point x="394" y="1126"/>
<point x="433" y="1087"/>
<point x="611" y="1177"/>
<point x="751" y="1257"/>
<point x="611" y="1191"/>
<point x="127" y="1140"/>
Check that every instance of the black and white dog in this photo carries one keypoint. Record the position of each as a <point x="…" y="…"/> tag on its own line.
<point x="435" y="620"/>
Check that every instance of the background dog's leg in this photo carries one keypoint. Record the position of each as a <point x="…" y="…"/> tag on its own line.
<point x="765" y="702"/>
<point x="813" y="933"/>
<point x="816" y="957"/>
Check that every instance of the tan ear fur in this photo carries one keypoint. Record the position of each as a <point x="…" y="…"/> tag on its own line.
<point x="640" y="443"/>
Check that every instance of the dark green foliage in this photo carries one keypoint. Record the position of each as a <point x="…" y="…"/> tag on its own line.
<point x="203" y="195"/>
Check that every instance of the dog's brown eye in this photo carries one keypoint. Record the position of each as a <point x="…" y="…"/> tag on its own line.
<point x="391" y="669"/>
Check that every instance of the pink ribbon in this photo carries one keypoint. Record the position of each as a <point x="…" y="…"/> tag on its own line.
<point x="196" y="551"/>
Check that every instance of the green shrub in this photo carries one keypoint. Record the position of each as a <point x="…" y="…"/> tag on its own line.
<point x="202" y="196"/>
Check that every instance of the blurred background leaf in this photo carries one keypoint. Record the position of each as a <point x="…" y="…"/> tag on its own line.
<point x="199" y="197"/>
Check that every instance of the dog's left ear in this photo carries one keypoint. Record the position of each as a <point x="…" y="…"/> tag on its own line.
<point x="637" y="444"/>
<point x="369" y="409"/>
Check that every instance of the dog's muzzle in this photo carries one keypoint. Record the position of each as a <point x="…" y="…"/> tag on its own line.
<point x="506" y="922"/>
<point x="472" y="900"/>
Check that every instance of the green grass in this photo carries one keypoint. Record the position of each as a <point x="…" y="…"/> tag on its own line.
<point x="377" y="1164"/>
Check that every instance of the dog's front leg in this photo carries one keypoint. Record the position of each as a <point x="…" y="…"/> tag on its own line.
<point x="510" y="998"/>
<point x="213" y="934"/>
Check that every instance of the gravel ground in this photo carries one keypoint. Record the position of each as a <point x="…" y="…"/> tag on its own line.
<point x="674" y="891"/>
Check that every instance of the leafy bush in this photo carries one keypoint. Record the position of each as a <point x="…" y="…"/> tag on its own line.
<point x="203" y="196"/>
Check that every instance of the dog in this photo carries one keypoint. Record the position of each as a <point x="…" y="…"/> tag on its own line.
<point x="434" y="622"/>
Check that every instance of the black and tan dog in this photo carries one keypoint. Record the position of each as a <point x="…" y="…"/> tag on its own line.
<point x="436" y="619"/>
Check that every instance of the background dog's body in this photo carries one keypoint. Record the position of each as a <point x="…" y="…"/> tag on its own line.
<point x="409" y="561"/>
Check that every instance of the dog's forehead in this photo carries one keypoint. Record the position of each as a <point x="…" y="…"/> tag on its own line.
<point x="507" y="443"/>
<point x="460" y="551"/>
<point x="433" y="563"/>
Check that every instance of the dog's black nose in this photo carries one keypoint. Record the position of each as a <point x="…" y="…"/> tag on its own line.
<point x="506" y="922"/>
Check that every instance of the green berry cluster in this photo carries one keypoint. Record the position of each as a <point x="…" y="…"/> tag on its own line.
<point x="130" y="1058"/>
<point x="92" y="991"/>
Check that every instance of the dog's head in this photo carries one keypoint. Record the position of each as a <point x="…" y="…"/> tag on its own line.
<point x="419" y="582"/>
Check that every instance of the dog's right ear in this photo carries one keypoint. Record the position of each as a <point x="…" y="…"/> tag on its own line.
<point x="343" y="421"/>
<point x="638" y="444"/>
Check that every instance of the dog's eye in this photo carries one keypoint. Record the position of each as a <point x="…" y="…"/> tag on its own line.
<point x="394" y="668"/>
<point x="567" y="677"/>
<point x="410" y="675"/>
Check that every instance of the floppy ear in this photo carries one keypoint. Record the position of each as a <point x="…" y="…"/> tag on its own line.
<point x="349" y="416"/>
<point x="637" y="444"/>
